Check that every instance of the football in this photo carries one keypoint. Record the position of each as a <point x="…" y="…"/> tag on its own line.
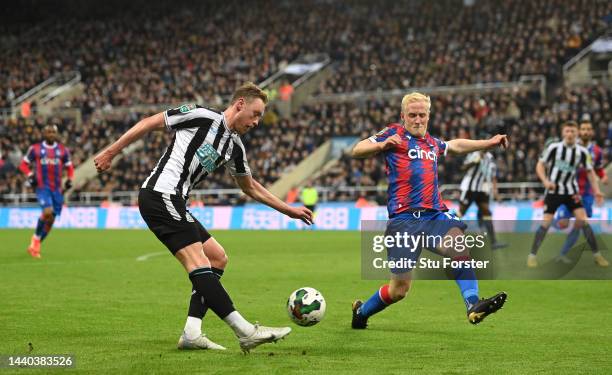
<point x="306" y="306"/>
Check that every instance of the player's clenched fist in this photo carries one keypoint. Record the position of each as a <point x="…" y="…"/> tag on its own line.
<point x="550" y="185"/>
<point x="301" y="213"/>
<point x="599" y="199"/>
<point x="499" y="140"/>
<point x="103" y="160"/>
<point x="391" y="142"/>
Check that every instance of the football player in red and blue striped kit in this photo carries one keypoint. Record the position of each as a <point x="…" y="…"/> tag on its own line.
<point x="416" y="208"/>
<point x="49" y="159"/>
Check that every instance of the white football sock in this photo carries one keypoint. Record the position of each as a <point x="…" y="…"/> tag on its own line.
<point x="241" y="327"/>
<point x="193" y="328"/>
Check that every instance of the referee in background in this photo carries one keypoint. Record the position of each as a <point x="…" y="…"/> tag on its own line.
<point x="557" y="170"/>
<point x="309" y="196"/>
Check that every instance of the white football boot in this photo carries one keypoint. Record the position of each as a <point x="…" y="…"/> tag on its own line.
<point x="262" y="335"/>
<point x="201" y="342"/>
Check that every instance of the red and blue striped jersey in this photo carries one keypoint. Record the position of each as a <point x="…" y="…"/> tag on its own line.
<point x="597" y="156"/>
<point x="412" y="170"/>
<point x="49" y="163"/>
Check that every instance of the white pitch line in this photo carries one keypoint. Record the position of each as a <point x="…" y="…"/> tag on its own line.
<point x="150" y="255"/>
<point x="34" y="262"/>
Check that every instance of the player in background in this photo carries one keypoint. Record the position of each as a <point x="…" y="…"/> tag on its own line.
<point x="557" y="169"/>
<point x="415" y="206"/>
<point x="309" y="197"/>
<point x="49" y="158"/>
<point x="204" y="140"/>
<point x="585" y="134"/>
<point x="479" y="182"/>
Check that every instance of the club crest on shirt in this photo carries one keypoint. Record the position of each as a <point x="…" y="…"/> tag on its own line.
<point x="186" y="108"/>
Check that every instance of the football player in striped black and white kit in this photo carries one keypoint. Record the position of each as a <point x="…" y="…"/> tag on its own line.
<point x="557" y="170"/>
<point x="479" y="182"/>
<point x="585" y="137"/>
<point x="203" y="141"/>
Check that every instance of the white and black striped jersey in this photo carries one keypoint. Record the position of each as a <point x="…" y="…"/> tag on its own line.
<point x="562" y="162"/>
<point x="479" y="176"/>
<point x="202" y="142"/>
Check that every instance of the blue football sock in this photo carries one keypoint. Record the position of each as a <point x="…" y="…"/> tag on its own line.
<point x="467" y="283"/>
<point x="570" y="241"/>
<point x="376" y="303"/>
<point x="46" y="228"/>
<point x="39" y="227"/>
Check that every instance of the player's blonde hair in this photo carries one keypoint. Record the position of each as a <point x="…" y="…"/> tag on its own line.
<point x="415" y="97"/>
<point x="249" y="91"/>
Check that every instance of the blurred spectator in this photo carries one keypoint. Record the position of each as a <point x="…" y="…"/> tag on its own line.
<point x="285" y="91"/>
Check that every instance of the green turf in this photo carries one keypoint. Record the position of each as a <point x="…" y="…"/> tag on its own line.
<point x="89" y="297"/>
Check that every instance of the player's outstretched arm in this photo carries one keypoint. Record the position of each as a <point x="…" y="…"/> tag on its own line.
<point x="104" y="159"/>
<point x="465" y="146"/>
<point x="256" y="191"/>
<point x="366" y="148"/>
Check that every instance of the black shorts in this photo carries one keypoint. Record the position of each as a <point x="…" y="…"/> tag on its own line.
<point x="553" y="201"/>
<point x="479" y="197"/>
<point x="169" y="219"/>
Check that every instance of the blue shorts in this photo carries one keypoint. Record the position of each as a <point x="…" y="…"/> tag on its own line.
<point x="587" y="201"/>
<point x="49" y="198"/>
<point x="415" y="226"/>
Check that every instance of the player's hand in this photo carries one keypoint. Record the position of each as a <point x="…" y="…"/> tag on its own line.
<point x="301" y="213"/>
<point x="549" y="185"/>
<point x="499" y="140"/>
<point x="392" y="141"/>
<point x="103" y="161"/>
<point x="31" y="181"/>
<point x="599" y="198"/>
<point x="68" y="184"/>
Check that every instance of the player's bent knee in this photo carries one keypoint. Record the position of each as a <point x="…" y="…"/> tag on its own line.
<point x="220" y="262"/>
<point x="215" y="253"/>
<point x="192" y="257"/>
<point x="48" y="214"/>
<point x="547" y="220"/>
<point x="454" y="231"/>
<point x="398" y="294"/>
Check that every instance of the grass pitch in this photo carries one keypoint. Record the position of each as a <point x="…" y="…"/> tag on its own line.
<point x="90" y="296"/>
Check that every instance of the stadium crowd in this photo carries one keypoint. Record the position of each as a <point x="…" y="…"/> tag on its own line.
<point x="190" y="53"/>
<point x="277" y="145"/>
